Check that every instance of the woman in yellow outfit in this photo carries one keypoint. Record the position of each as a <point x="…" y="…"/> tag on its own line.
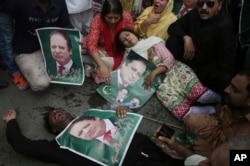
<point x="155" y="20"/>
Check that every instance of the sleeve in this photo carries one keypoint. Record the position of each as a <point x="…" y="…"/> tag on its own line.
<point x="166" y="57"/>
<point x="226" y="50"/>
<point x="181" y="26"/>
<point x="94" y="34"/>
<point x="42" y="149"/>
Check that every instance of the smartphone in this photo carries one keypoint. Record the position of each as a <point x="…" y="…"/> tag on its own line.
<point x="165" y="131"/>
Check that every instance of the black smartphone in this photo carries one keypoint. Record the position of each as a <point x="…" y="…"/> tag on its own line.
<point x="165" y="131"/>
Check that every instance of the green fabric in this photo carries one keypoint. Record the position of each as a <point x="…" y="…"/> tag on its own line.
<point x="177" y="6"/>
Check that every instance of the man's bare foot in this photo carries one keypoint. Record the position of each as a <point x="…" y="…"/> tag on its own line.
<point x="9" y="115"/>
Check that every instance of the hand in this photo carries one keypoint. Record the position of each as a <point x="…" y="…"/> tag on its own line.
<point x="189" y="50"/>
<point x="9" y="115"/>
<point x="167" y="145"/>
<point x="202" y="147"/>
<point x="148" y="82"/>
<point x="105" y="74"/>
<point x="153" y="18"/>
<point x="121" y="111"/>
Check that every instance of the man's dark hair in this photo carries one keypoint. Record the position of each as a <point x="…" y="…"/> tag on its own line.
<point x="64" y="35"/>
<point x="47" y="124"/>
<point x="46" y="114"/>
<point x="119" y="47"/>
<point x="111" y="6"/>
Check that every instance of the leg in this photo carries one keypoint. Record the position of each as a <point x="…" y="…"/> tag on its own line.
<point x="200" y="110"/>
<point x="209" y="97"/>
<point x="81" y="21"/>
<point x="6" y="34"/>
<point x="6" y="52"/>
<point x="33" y="68"/>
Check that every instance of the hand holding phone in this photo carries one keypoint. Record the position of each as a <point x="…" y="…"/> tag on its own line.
<point x="165" y="131"/>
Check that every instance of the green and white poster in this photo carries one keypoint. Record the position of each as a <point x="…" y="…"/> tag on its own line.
<point x="62" y="55"/>
<point x="100" y="136"/>
<point x="126" y="87"/>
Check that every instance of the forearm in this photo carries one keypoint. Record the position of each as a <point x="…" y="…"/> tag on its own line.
<point x="98" y="60"/>
<point x="183" y="151"/>
<point x="159" y="70"/>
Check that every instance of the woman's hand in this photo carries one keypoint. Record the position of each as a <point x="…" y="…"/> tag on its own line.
<point x="148" y="82"/>
<point x="153" y="18"/>
<point x="189" y="50"/>
<point x="105" y="74"/>
<point x="121" y="111"/>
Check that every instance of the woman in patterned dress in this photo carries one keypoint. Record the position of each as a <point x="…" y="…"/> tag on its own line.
<point x="181" y="87"/>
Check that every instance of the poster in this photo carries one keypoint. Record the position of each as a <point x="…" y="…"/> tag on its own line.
<point x="100" y="136"/>
<point x="126" y="87"/>
<point x="62" y="55"/>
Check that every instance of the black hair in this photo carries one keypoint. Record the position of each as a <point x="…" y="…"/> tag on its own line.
<point x="46" y="114"/>
<point x="47" y="124"/>
<point x="119" y="47"/>
<point x="111" y="6"/>
<point x="64" y="35"/>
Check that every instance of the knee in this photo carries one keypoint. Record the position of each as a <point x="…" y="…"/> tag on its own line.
<point x="39" y="84"/>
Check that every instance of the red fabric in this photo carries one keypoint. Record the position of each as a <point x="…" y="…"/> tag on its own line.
<point x="96" y="40"/>
<point x="184" y="10"/>
<point x="109" y="42"/>
<point x="107" y="136"/>
<point x="60" y="69"/>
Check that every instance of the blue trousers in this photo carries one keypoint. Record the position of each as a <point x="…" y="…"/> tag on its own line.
<point x="6" y="35"/>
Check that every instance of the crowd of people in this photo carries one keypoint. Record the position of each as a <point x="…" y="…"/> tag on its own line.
<point x="194" y="43"/>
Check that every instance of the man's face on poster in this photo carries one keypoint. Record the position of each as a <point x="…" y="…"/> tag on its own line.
<point x="131" y="72"/>
<point x="59" y="49"/>
<point x="122" y="94"/>
<point x="88" y="129"/>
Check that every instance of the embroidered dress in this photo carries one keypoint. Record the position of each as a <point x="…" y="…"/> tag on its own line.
<point x="181" y="87"/>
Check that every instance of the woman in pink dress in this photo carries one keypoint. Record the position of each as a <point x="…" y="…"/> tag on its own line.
<point x="181" y="88"/>
<point x="100" y="40"/>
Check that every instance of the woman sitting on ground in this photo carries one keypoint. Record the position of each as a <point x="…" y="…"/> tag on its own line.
<point x="155" y="20"/>
<point x="100" y="40"/>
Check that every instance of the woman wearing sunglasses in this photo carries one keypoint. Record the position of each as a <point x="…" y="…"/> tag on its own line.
<point x="205" y="40"/>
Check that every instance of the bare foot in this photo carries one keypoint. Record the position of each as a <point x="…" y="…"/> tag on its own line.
<point x="9" y="115"/>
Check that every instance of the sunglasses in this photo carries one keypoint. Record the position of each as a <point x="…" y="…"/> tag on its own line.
<point x="209" y="4"/>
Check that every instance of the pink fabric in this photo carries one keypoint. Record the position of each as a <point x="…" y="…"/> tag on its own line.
<point x="165" y="56"/>
<point x="197" y="90"/>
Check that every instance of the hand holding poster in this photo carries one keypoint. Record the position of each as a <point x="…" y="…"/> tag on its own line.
<point x="100" y="136"/>
<point x="62" y="55"/>
<point x="126" y="87"/>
